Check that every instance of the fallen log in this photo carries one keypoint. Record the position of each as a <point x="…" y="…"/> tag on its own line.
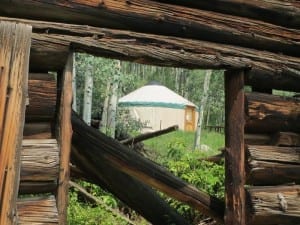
<point x="284" y="13"/>
<point x="132" y="192"/>
<point x="146" y="136"/>
<point x="99" y="148"/>
<point x="272" y="114"/>
<point x="271" y="165"/>
<point x="274" y="205"/>
<point x="160" y="18"/>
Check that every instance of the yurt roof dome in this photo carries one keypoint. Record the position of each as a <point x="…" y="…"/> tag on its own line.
<point x="155" y="95"/>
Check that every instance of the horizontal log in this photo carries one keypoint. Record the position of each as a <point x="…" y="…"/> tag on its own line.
<point x="274" y="205"/>
<point x="271" y="165"/>
<point x="271" y="114"/>
<point x="97" y="148"/>
<point x="258" y="139"/>
<point x="37" y="187"/>
<point x="39" y="160"/>
<point x="161" y="18"/>
<point x="37" y="130"/>
<point x="42" y="99"/>
<point x="286" y="139"/>
<point x="284" y="13"/>
<point x="270" y="80"/>
<point x="37" y="210"/>
<point x="153" y="49"/>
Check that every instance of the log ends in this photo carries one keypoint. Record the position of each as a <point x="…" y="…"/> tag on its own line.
<point x="271" y="114"/>
<point x="272" y="165"/>
<point x="274" y="205"/>
<point x="37" y="210"/>
<point x="39" y="165"/>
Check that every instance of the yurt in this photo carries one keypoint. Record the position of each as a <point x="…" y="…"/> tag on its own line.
<point x="158" y="107"/>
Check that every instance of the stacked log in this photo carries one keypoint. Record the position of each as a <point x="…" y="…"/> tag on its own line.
<point x="272" y="159"/>
<point x="39" y="165"/>
<point x="274" y="205"/>
<point x="37" y="210"/>
<point x="272" y="114"/>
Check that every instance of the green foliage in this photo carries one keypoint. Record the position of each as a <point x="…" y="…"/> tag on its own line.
<point x="175" y="152"/>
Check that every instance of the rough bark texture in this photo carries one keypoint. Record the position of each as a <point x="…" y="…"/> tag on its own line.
<point x="284" y="13"/>
<point x="14" y="61"/>
<point x="103" y="149"/>
<point x="271" y="114"/>
<point x="39" y="160"/>
<point x="286" y="139"/>
<point x="53" y="41"/>
<point x="157" y="211"/>
<point x="37" y="210"/>
<point x="271" y="165"/>
<point x="42" y="98"/>
<point x="64" y="140"/>
<point x="166" y="19"/>
<point x="274" y="205"/>
<point x="234" y="148"/>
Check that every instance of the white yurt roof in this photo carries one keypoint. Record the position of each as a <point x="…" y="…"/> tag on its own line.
<point x="154" y="94"/>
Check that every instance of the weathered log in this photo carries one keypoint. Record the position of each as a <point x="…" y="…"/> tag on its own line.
<point x="37" y="187"/>
<point x="42" y="98"/>
<point x="286" y="139"/>
<point x="284" y="13"/>
<point x="274" y="205"/>
<point x="38" y="130"/>
<point x="271" y="114"/>
<point x="39" y="160"/>
<point x="14" y="60"/>
<point x="161" y="18"/>
<point x="143" y="137"/>
<point x="271" y="165"/>
<point x="271" y="80"/>
<point x="64" y="137"/>
<point x="152" y="49"/>
<point x="97" y="148"/>
<point x="234" y="148"/>
<point x="157" y="211"/>
<point x="37" y="210"/>
<point x="258" y="139"/>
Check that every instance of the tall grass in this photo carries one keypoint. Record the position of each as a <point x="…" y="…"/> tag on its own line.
<point x="161" y="145"/>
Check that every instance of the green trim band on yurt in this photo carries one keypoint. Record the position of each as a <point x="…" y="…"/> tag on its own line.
<point x="159" y="107"/>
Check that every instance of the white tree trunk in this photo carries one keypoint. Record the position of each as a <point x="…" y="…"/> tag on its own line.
<point x="108" y="123"/>
<point x="88" y="95"/>
<point x="74" y="102"/>
<point x="197" y="144"/>
<point x="113" y="101"/>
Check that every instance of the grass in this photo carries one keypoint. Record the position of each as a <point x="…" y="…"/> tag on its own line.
<point x="161" y="145"/>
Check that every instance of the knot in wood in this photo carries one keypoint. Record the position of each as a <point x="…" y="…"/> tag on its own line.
<point x="282" y="202"/>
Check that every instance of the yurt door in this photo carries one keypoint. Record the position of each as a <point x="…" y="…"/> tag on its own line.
<point x="189" y="124"/>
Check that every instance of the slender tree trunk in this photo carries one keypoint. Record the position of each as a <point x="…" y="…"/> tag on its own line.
<point x="88" y="92"/>
<point x="197" y="144"/>
<point x="113" y="101"/>
<point x="103" y="126"/>
<point x="74" y="103"/>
